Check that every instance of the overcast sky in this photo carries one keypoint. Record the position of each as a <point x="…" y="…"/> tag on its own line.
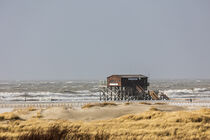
<point x="91" y="39"/>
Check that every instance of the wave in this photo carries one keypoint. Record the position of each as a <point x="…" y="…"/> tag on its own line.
<point x="69" y="82"/>
<point x="49" y="96"/>
<point x="93" y="94"/>
<point x="188" y="93"/>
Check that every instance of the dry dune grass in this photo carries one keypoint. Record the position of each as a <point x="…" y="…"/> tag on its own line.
<point x="38" y="114"/>
<point x="145" y="103"/>
<point x="99" y="105"/>
<point x="148" y="125"/>
<point x="24" y="111"/>
<point x="154" y="109"/>
<point x="127" y="103"/>
<point x="160" y="103"/>
<point x="8" y="116"/>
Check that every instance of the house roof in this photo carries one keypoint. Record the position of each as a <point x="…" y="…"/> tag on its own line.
<point x="130" y="76"/>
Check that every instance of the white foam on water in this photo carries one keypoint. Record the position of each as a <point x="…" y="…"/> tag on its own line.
<point x="82" y="91"/>
<point x="4" y="83"/>
<point x="49" y="96"/>
<point x="183" y="93"/>
<point x="200" y="89"/>
<point x="69" y="82"/>
<point x="194" y="90"/>
<point x="174" y="91"/>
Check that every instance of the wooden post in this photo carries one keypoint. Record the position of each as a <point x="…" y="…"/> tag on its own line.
<point x="104" y="92"/>
<point x="100" y="96"/>
<point x="131" y="93"/>
<point x="111" y="93"/>
<point x="121" y="98"/>
<point x="123" y="94"/>
<point x="120" y="93"/>
<point x="127" y="94"/>
<point x="115" y="90"/>
<point x="107" y="93"/>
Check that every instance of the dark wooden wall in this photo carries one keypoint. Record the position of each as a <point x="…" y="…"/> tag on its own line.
<point x="114" y="80"/>
<point x="143" y="82"/>
<point x="117" y="81"/>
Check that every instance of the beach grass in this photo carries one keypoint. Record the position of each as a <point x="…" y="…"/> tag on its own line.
<point x="159" y="103"/>
<point x="152" y="124"/>
<point x="9" y="116"/>
<point x="99" y="105"/>
<point x="145" y="103"/>
<point x="127" y="103"/>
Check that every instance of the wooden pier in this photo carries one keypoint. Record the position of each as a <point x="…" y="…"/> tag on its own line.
<point x="128" y="87"/>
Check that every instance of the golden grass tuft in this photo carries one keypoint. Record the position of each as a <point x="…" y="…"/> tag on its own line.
<point x="99" y="105"/>
<point x="24" y="111"/>
<point x="148" y="125"/>
<point x="8" y="116"/>
<point x="160" y="103"/>
<point x="31" y="109"/>
<point x="127" y="103"/>
<point x="145" y="103"/>
<point x="154" y="109"/>
<point x="38" y="114"/>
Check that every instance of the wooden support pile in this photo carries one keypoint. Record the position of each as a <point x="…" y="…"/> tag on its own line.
<point x="122" y="93"/>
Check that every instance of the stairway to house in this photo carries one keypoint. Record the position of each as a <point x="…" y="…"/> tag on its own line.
<point x="164" y="96"/>
<point x="144" y="95"/>
<point x="153" y="95"/>
<point x="140" y="89"/>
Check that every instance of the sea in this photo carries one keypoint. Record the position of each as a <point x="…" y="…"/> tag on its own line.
<point x="88" y="90"/>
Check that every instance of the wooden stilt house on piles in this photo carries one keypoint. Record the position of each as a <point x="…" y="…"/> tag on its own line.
<point x="128" y="87"/>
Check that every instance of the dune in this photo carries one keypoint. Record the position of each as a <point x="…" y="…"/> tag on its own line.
<point x="101" y="112"/>
<point x="99" y="105"/>
<point x="150" y="124"/>
<point x="133" y="121"/>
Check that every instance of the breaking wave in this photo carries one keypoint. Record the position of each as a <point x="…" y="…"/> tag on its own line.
<point x="188" y="93"/>
<point x="79" y="96"/>
<point x="82" y="91"/>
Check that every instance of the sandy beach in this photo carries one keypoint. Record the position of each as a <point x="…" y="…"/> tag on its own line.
<point x="97" y="112"/>
<point x="139" y="120"/>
